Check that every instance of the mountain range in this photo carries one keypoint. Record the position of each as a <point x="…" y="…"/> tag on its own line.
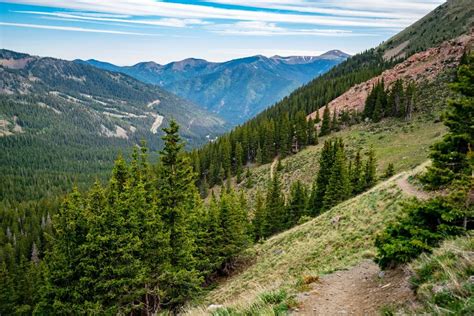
<point x="235" y="90"/>
<point x="58" y="117"/>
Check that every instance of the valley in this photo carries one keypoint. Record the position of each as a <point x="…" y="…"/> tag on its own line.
<point x="235" y="90"/>
<point x="299" y="185"/>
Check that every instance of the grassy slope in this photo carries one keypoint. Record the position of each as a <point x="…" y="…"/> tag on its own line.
<point x="405" y="144"/>
<point x="318" y="246"/>
<point x="443" y="279"/>
<point x="315" y="247"/>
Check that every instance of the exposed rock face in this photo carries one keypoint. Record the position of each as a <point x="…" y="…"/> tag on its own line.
<point x="420" y="67"/>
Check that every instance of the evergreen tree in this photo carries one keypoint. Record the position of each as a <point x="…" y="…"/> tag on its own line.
<point x="326" y="123"/>
<point x="317" y="119"/>
<point x="259" y="220"/>
<point x="62" y="291"/>
<point x="338" y="187"/>
<point x="259" y="158"/>
<point x="378" y="108"/>
<point x="357" y="175"/>
<point x="318" y="191"/>
<point x="238" y="161"/>
<point x="370" y="177"/>
<point x="296" y="204"/>
<point x="452" y="157"/>
<point x="301" y="127"/>
<point x="176" y="197"/>
<point x="275" y="207"/>
<point x="312" y="136"/>
<point x="233" y="223"/>
<point x="285" y="136"/>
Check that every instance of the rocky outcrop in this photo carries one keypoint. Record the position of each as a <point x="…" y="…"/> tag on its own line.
<point x="420" y="67"/>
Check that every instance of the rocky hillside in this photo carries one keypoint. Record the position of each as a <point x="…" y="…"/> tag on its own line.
<point x="421" y="67"/>
<point x="235" y="90"/>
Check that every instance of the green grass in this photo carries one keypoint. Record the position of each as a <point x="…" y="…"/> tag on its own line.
<point x="443" y="279"/>
<point x="314" y="248"/>
<point x="404" y="143"/>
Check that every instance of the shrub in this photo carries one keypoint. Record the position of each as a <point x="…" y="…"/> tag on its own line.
<point x="422" y="227"/>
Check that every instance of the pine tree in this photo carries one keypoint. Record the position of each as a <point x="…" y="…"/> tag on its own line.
<point x="234" y="224"/>
<point x="370" y="177"/>
<point x="357" y="175"/>
<point x="317" y="119"/>
<point x="338" y="187"/>
<point x="312" y="137"/>
<point x="259" y="158"/>
<point x="296" y="204"/>
<point x="301" y="127"/>
<point x="176" y="196"/>
<point x="259" y="219"/>
<point x="110" y="265"/>
<point x="285" y="136"/>
<point x="370" y="102"/>
<point x="226" y="157"/>
<point x="248" y="179"/>
<point x="326" y="123"/>
<point x="275" y="207"/>
<point x="378" y="108"/>
<point x="410" y="95"/>
<point x="453" y="156"/>
<point x="238" y="161"/>
<point x="62" y="291"/>
<point x="318" y="191"/>
<point x="396" y="98"/>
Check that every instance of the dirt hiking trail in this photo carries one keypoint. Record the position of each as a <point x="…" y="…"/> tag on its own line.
<point x="410" y="190"/>
<point x="361" y="290"/>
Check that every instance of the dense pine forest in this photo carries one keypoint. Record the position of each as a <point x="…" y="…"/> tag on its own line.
<point x="148" y="235"/>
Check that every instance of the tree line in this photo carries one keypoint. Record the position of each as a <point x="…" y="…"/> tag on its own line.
<point x="282" y="129"/>
<point x="398" y="101"/>
<point x="146" y="241"/>
<point x="339" y="178"/>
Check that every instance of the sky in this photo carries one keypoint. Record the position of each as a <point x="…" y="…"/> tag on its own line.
<point x="125" y="32"/>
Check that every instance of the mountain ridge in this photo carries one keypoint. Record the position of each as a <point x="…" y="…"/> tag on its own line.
<point x="236" y="89"/>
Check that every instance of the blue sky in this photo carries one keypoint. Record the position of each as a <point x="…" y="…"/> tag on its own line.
<point x="125" y="32"/>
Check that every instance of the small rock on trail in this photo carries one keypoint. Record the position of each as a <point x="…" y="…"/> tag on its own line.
<point x="357" y="291"/>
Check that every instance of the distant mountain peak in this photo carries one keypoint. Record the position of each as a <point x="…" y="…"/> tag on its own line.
<point x="335" y="53"/>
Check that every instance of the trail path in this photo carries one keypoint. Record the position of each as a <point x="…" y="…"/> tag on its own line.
<point x="357" y="291"/>
<point x="273" y="166"/>
<point x="410" y="189"/>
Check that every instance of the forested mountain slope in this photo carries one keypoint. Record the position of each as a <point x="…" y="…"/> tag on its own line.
<point x="62" y="122"/>
<point x="282" y="129"/>
<point x="449" y="20"/>
<point x="235" y="90"/>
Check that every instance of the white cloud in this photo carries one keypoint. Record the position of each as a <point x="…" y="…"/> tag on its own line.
<point x="361" y="8"/>
<point x="153" y="8"/>
<point x="258" y="28"/>
<point x="71" y="28"/>
<point x="169" y="22"/>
